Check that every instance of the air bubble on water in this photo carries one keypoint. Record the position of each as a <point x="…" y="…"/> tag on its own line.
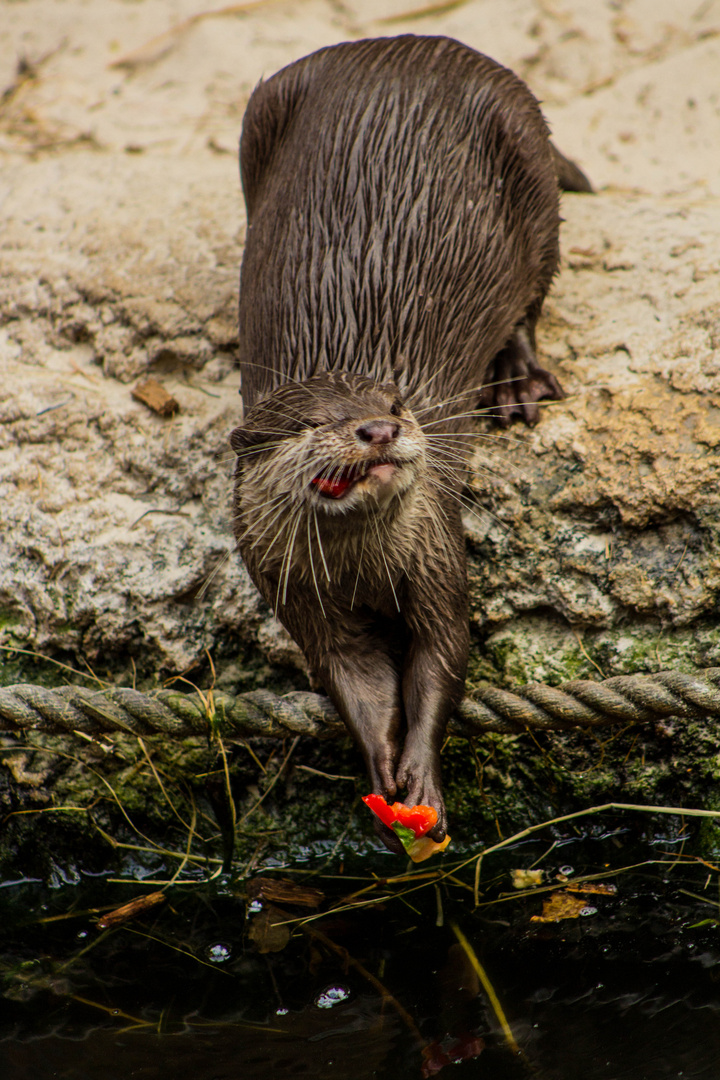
<point x="218" y="953"/>
<point x="333" y="995"/>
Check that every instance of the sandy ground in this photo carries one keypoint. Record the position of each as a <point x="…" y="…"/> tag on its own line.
<point x="120" y="245"/>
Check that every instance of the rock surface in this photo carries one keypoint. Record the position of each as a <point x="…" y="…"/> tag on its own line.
<point x="597" y="540"/>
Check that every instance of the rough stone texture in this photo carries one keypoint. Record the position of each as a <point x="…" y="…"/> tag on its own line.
<point x="610" y="515"/>
<point x="597" y="544"/>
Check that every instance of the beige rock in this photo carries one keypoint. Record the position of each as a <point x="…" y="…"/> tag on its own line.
<point x="122" y="235"/>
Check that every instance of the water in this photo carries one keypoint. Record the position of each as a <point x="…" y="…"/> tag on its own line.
<point x="629" y="992"/>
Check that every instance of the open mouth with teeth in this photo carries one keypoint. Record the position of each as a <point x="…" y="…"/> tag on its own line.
<point x="338" y="482"/>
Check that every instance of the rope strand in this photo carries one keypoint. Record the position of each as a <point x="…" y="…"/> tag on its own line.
<point x="534" y="707"/>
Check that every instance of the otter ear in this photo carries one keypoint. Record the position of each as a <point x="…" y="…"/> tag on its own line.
<point x="240" y="439"/>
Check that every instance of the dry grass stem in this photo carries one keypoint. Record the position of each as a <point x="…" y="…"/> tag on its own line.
<point x="488" y="987"/>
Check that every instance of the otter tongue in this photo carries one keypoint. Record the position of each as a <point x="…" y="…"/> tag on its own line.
<point x="332" y="487"/>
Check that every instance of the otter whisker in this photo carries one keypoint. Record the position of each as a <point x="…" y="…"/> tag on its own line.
<point x="475" y="414"/>
<point x="287" y="559"/>
<point x="274" y="512"/>
<point x="450" y="469"/>
<point x="450" y="473"/>
<point x="312" y="566"/>
<point x="320" y="545"/>
<point x="276" y="537"/>
<point x="467" y="392"/>
<point x="466" y="503"/>
<point x="438" y="369"/>
<point x="494" y="410"/>
<point x="489" y="435"/>
<point x="460" y="464"/>
<point x="359" y="568"/>
<point x="387" y="568"/>
<point x="264" y="369"/>
<point x="447" y="452"/>
<point x="461" y="459"/>
<point x="215" y="571"/>
<point x="252" y="451"/>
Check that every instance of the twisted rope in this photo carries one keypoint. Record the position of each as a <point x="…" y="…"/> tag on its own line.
<point x="535" y="707"/>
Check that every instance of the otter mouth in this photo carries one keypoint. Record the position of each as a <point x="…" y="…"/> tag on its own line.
<point x="340" y="481"/>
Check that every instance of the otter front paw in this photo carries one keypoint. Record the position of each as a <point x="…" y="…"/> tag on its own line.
<point x="422" y="787"/>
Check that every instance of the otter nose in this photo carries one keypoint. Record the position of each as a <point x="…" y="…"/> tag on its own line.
<point x="377" y="432"/>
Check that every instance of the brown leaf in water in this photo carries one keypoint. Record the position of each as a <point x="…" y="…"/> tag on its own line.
<point x="269" y="931"/>
<point x="282" y="891"/>
<point x="136" y="907"/>
<point x="560" y="905"/>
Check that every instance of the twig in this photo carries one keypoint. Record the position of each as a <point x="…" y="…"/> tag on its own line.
<point x="159" y="46"/>
<point x="325" y="775"/>
<point x="441" y="8"/>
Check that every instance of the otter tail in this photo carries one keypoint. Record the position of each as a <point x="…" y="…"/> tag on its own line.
<point x="569" y="176"/>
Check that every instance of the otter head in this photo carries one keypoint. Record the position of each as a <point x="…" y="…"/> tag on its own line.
<point x="337" y="444"/>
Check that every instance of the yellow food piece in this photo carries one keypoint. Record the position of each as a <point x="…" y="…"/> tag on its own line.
<point x="424" y="847"/>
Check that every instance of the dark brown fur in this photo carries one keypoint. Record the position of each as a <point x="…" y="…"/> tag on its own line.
<point x="403" y="232"/>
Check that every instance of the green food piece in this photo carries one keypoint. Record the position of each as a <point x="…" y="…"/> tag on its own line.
<point x="404" y="834"/>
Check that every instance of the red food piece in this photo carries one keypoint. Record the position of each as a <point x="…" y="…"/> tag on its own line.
<point x="420" y="819"/>
<point x="378" y="806"/>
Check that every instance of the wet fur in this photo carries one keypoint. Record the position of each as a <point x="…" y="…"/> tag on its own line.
<point x="403" y="231"/>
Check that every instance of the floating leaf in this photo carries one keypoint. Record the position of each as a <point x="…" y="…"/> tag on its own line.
<point x="560" y="905"/>
<point x="283" y="891"/>
<point x="269" y="931"/>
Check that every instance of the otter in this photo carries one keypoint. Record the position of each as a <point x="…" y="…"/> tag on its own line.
<point x="403" y="218"/>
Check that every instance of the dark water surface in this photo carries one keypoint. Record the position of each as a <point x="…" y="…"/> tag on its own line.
<point x="629" y="990"/>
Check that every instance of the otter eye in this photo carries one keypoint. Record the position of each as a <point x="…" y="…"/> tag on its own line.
<point x="395" y="408"/>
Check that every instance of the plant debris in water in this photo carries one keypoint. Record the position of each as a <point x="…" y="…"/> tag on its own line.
<point x="574" y="947"/>
<point x="603" y="963"/>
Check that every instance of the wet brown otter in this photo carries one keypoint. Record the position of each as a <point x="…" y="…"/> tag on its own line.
<point x="402" y="200"/>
